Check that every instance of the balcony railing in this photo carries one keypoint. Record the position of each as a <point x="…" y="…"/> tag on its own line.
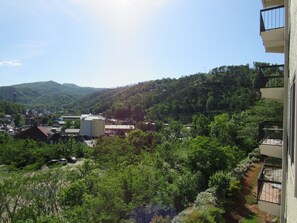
<point x="271" y="133"/>
<point x="271" y="139"/>
<point x="272" y="18"/>
<point x="271" y="76"/>
<point x="269" y="183"/>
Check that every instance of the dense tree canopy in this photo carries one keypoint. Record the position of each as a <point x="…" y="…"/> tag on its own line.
<point x="226" y="88"/>
<point x="10" y="108"/>
<point x="205" y="125"/>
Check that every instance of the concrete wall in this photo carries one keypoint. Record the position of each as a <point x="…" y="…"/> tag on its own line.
<point x="98" y="127"/>
<point x="291" y="200"/>
<point x="273" y="151"/>
<point x="293" y="39"/>
<point x="86" y="127"/>
<point x="269" y="208"/>
<point x="273" y="93"/>
<point x="92" y="126"/>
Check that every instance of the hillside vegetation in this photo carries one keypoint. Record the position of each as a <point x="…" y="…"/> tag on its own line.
<point x="223" y="89"/>
<point x="147" y="176"/>
<point x="49" y="94"/>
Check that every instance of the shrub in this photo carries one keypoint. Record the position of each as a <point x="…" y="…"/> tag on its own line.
<point x="206" y="198"/>
<point x="234" y="188"/>
<point x="220" y="181"/>
<point x="73" y="194"/>
<point x="255" y="153"/>
<point x="207" y="215"/>
<point x="160" y="219"/>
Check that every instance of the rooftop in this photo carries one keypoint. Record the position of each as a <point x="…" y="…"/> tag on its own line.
<point x="90" y="117"/>
<point x="72" y="131"/>
<point x="120" y="127"/>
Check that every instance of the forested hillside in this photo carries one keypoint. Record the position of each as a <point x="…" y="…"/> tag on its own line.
<point x="226" y="88"/>
<point x="49" y="94"/>
<point x="10" y="108"/>
<point x="146" y="176"/>
<point x="223" y="89"/>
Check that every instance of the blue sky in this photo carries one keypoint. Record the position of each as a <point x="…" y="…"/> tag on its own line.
<point x="110" y="43"/>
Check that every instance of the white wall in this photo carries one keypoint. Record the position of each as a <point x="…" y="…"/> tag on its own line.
<point x="293" y="39"/>
<point x="92" y="126"/>
<point x="291" y="203"/>
<point x="86" y="127"/>
<point x="98" y="127"/>
<point x="291" y="200"/>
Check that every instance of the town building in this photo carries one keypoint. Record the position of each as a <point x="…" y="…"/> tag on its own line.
<point x="92" y="125"/>
<point x="277" y="183"/>
<point x="121" y="130"/>
<point x="38" y="133"/>
<point x="70" y="117"/>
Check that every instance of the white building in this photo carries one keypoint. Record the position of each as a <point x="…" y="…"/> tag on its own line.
<point x="277" y="187"/>
<point x="92" y="125"/>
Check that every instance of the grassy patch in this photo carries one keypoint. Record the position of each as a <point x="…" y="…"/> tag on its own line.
<point x="250" y="199"/>
<point x="252" y="218"/>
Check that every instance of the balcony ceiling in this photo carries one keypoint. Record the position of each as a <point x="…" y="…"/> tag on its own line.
<point x="274" y="40"/>
<point x="271" y="3"/>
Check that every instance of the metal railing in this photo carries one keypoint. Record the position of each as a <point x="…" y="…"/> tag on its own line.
<point x="269" y="184"/>
<point x="271" y="76"/>
<point x="270" y="133"/>
<point x="272" y="18"/>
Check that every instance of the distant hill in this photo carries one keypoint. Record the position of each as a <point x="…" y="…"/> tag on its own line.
<point x="48" y="94"/>
<point x="223" y="89"/>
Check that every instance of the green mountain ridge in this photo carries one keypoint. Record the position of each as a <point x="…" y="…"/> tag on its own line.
<point x="223" y="89"/>
<point x="47" y="94"/>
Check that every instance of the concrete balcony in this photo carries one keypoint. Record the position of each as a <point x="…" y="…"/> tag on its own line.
<point x="271" y="139"/>
<point x="272" y="3"/>
<point x="269" y="189"/>
<point x="272" y="82"/>
<point x="272" y="29"/>
<point x="273" y="93"/>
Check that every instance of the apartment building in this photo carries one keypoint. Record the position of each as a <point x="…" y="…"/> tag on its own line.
<point x="92" y="125"/>
<point x="277" y="182"/>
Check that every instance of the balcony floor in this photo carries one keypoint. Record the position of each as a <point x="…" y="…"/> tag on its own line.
<point x="271" y="192"/>
<point x="273" y="142"/>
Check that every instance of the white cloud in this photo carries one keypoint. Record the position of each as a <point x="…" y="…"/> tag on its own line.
<point x="10" y="63"/>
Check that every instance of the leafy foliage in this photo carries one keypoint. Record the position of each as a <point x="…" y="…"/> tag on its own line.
<point x="226" y="88"/>
<point x="10" y="108"/>
<point x="31" y="154"/>
<point x="147" y="176"/>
